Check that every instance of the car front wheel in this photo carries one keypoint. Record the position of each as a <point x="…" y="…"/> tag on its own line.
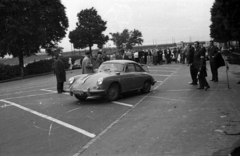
<point x="113" y="92"/>
<point x="146" y="87"/>
<point x="80" y="98"/>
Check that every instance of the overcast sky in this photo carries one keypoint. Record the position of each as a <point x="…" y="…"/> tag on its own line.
<point x="160" y="21"/>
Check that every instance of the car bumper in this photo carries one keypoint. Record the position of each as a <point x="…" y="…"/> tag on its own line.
<point x="87" y="92"/>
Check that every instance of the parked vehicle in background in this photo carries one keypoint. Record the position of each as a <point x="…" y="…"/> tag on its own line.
<point x="77" y="64"/>
<point x="111" y="79"/>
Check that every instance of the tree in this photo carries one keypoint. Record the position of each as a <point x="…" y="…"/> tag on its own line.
<point x="28" y="25"/>
<point x="89" y="30"/>
<point x="127" y="39"/>
<point x="53" y="50"/>
<point x="225" y="25"/>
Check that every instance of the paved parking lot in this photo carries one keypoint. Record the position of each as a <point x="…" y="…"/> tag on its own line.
<point x="35" y="120"/>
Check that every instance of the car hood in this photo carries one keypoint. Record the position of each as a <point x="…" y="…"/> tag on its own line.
<point x="88" y="79"/>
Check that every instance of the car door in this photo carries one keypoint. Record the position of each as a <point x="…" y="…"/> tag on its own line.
<point x="128" y="77"/>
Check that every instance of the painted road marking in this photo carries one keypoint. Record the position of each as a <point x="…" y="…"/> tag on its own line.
<point x="27" y="87"/>
<point x="27" y="96"/>
<point x="19" y="92"/>
<point x="120" y="103"/>
<point x="163" y="67"/>
<point x="53" y="91"/>
<point x="64" y="124"/>
<point x="181" y="90"/>
<point x="164" y="71"/>
<point x="163" y="75"/>
<point x="165" y="98"/>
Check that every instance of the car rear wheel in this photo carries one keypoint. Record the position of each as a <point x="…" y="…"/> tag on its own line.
<point x="146" y="87"/>
<point x="113" y="92"/>
<point x="80" y="98"/>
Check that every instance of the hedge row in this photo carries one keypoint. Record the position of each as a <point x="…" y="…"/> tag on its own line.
<point x="39" y="67"/>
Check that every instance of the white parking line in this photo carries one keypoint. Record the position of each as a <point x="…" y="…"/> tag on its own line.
<point x="52" y="91"/>
<point x="27" y="96"/>
<point x="164" y="71"/>
<point x="51" y="119"/>
<point x="164" y="67"/>
<point x="26" y="87"/>
<point x="181" y="90"/>
<point x="161" y="75"/>
<point x="120" y="103"/>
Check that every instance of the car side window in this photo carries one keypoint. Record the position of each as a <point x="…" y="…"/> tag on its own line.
<point x="138" y="68"/>
<point x="130" y="68"/>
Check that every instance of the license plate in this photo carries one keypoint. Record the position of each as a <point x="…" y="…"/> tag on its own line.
<point x="78" y="92"/>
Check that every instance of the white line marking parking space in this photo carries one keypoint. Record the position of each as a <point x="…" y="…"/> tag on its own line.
<point x="123" y="104"/>
<point x="53" y="91"/>
<point x="64" y="124"/>
<point x="163" y="75"/>
<point x="26" y="96"/>
<point x="164" y="71"/>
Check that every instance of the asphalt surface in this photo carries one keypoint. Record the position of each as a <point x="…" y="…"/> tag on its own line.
<point x="174" y="119"/>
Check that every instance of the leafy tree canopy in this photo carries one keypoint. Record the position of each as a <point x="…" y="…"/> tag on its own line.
<point x="88" y="32"/>
<point x="28" y="25"/>
<point x="127" y="39"/>
<point x="225" y="20"/>
<point x="54" y="50"/>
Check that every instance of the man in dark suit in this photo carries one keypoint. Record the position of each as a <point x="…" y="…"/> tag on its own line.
<point x="213" y="55"/>
<point x="193" y="72"/>
<point x="199" y="64"/>
<point x="59" y="71"/>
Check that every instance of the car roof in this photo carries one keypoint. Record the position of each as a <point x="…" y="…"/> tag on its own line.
<point x="120" y="61"/>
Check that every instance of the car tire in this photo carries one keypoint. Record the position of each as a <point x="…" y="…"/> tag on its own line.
<point x="113" y="92"/>
<point x="146" y="87"/>
<point x="80" y="98"/>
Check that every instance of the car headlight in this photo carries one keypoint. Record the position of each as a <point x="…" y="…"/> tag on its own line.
<point x="71" y="80"/>
<point x="99" y="81"/>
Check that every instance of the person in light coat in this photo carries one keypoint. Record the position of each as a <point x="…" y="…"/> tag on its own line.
<point x="87" y="66"/>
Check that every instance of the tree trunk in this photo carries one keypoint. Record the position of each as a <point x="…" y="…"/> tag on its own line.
<point x="21" y="62"/>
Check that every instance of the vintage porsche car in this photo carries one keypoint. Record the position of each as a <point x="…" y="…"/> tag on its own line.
<point x="111" y="79"/>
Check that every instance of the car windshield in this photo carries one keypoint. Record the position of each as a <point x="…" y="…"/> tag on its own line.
<point x="111" y="67"/>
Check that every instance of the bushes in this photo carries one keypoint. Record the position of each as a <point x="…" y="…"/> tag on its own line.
<point x="39" y="67"/>
<point x="233" y="58"/>
<point x="9" y="72"/>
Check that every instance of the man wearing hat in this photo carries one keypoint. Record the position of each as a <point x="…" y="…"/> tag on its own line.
<point x="59" y="71"/>
<point x="87" y="66"/>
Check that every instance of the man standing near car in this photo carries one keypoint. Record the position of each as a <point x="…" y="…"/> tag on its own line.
<point x="59" y="71"/>
<point x="87" y="66"/>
